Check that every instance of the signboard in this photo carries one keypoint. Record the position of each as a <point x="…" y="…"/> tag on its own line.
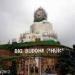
<point x="5" y="71"/>
<point x="39" y="50"/>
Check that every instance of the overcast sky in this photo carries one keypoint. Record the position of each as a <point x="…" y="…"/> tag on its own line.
<point x="16" y="16"/>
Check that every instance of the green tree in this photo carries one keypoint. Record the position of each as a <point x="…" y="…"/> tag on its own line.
<point x="13" y="68"/>
<point x="66" y="63"/>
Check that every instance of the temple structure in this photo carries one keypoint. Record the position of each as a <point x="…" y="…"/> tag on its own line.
<point x="35" y="53"/>
<point x="41" y="29"/>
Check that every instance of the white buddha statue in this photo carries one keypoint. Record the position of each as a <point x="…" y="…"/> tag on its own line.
<point x="41" y="25"/>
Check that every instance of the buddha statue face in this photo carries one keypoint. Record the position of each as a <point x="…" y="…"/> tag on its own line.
<point x="40" y="15"/>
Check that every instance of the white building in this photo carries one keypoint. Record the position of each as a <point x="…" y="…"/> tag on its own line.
<point x="41" y="29"/>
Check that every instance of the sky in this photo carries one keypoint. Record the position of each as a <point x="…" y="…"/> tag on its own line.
<point x="16" y="17"/>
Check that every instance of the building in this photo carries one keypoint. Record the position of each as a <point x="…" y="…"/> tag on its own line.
<point x="36" y="52"/>
<point x="41" y="29"/>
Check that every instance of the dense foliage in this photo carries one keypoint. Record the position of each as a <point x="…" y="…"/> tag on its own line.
<point x="28" y="44"/>
<point x="66" y="61"/>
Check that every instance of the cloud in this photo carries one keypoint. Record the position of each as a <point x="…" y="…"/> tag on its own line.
<point x="16" y="16"/>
